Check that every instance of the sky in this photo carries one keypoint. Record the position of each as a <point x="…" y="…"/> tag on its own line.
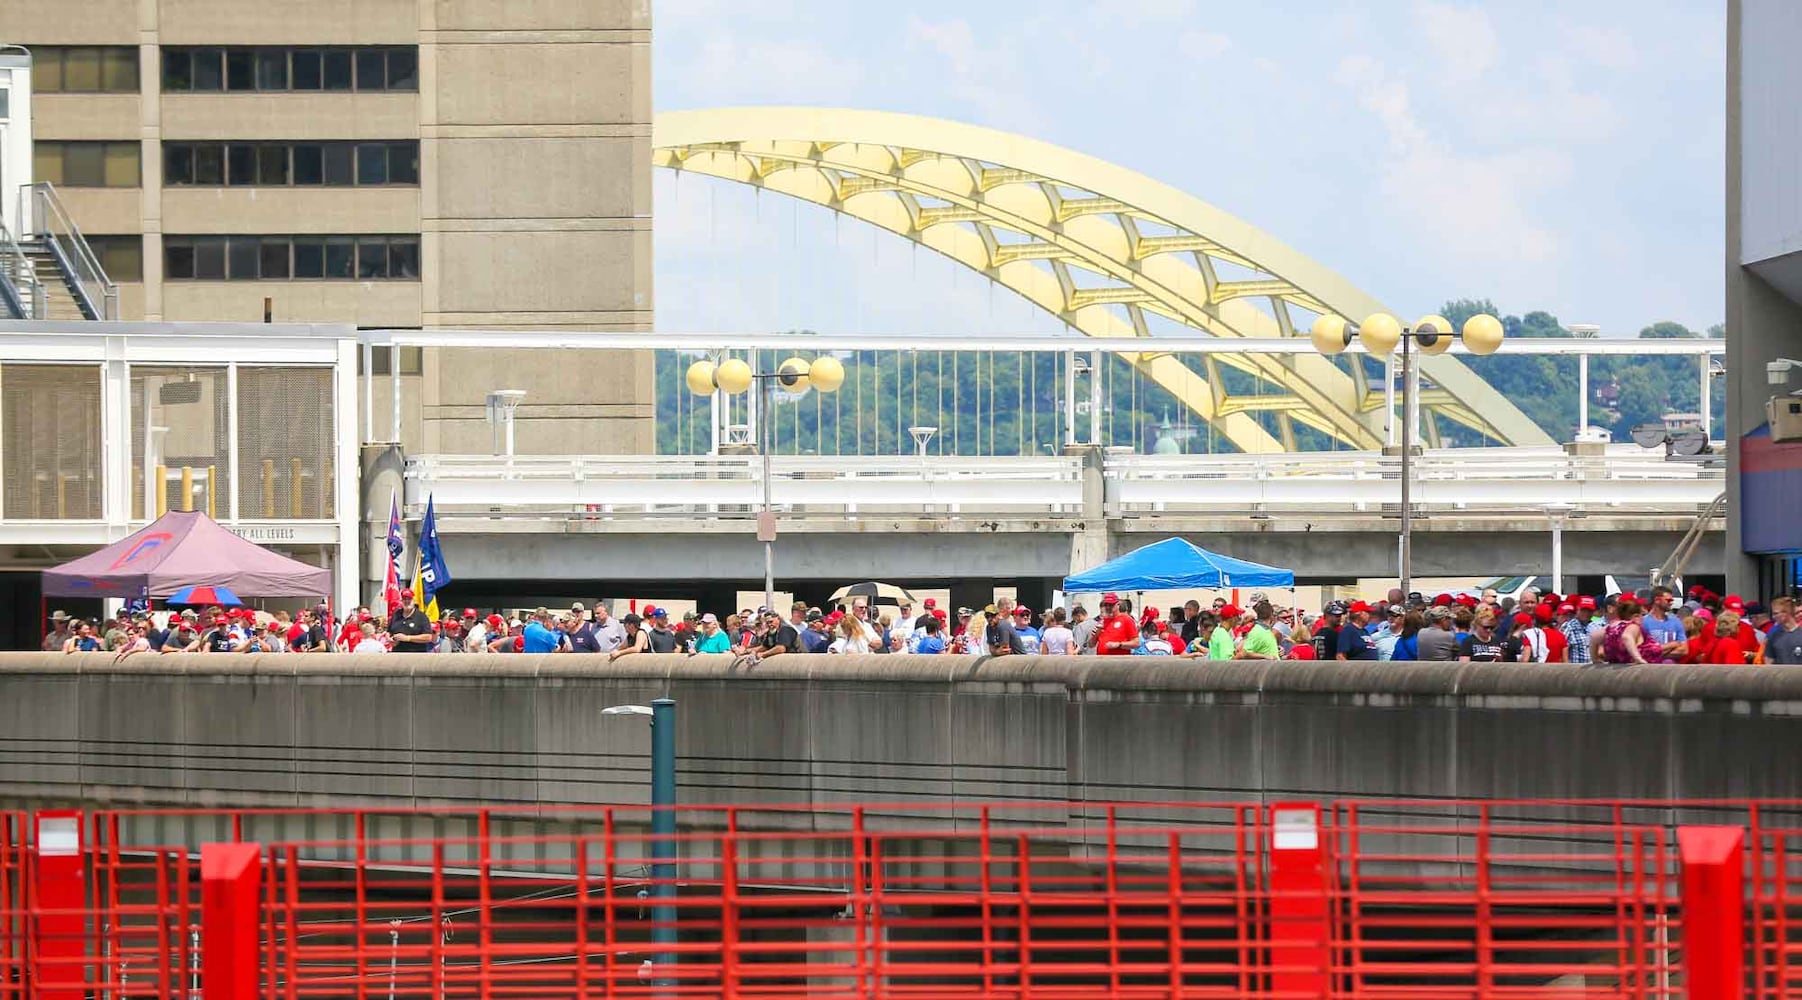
<point x="1545" y="155"/>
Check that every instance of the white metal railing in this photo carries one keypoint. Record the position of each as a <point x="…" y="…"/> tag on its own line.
<point x="95" y="293"/>
<point x="666" y="484"/>
<point x="1495" y="480"/>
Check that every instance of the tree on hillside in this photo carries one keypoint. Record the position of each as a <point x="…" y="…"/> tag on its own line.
<point x="1667" y="330"/>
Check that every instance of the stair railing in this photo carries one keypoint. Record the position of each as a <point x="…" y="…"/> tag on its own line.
<point x="95" y="293"/>
<point x="20" y="294"/>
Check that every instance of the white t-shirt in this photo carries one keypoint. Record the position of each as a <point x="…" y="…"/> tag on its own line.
<point x="477" y="639"/>
<point x="1057" y="640"/>
<point x="370" y="646"/>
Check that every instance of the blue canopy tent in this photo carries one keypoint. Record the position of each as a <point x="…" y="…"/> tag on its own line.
<point x="1174" y="564"/>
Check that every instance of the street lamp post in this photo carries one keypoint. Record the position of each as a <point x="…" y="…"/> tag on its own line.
<point x="796" y="375"/>
<point x="662" y="713"/>
<point x="1380" y="334"/>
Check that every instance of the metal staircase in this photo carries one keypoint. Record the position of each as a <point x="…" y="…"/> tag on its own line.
<point x="50" y="272"/>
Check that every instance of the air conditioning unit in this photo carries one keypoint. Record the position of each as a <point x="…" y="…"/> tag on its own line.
<point x="1785" y="416"/>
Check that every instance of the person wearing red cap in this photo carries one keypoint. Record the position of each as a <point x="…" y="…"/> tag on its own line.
<point x="1119" y="634"/>
<point x="1528" y="639"/>
<point x="1556" y="644"/>
<point x="409" y="628"/>
<point x="1354" y="640"/>
<point x="1222" y="642"/>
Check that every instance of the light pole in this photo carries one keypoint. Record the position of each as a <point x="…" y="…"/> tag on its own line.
<point x="662" y="713"/>
<point x="733" y="376"/>
<point x="1380" y="333"/>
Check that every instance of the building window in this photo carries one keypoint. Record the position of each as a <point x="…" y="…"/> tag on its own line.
<point x="412" y="359"/>
<point x="268" y="69"/>
<point x="84" y="69"/>
<point x="121" y="257"/>
<point x="298" y="164"/>
<point x="284" y="258"/>
<point x="87" y="164"/>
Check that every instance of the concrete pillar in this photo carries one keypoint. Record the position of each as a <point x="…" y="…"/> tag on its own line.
<point x="1089" y="543"/>
<point x="384" y="477"/>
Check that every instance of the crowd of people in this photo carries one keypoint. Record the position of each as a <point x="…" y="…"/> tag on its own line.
<point x="1619" y="628"/>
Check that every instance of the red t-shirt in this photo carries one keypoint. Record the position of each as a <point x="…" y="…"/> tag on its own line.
<point x="1302" y="651"/>
<point x="1725" y="651"/>
<point x="348" y="639"/>
<point x="1556" y="644"/>
<point x="1119" y="628"/>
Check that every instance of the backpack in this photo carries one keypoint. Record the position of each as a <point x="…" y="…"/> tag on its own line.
<point x="1614" y="643"/>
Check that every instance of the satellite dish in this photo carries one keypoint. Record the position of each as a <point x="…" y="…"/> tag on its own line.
<point x="1650" y="435"/>
<point x="1689" y="443"/>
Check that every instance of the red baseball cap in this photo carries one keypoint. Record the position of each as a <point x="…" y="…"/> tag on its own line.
<point x="1230" y="611"/>
<point x="1022" y="611"/>
<point x="1523" y="619"/>
<point x="1357" y="606"/>
<point x="1442" y="601"/>
<point x="469" y="612"/>
<point x="1468" y="600"/>
<point x="1110" y="598"/>
<point x="1567" y="608"/>
<point x="1734" y="603"/>
<point x="1586" y="603"/>
<point x="406" y="595"/>
<point x="939" y="613"/>
<point x="1543" y="612"/>
<point x="496" y="621"/>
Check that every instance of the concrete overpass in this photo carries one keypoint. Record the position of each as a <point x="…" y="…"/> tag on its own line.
<point x="820" y="732"/>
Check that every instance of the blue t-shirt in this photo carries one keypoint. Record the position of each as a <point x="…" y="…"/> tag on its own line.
<point x="1355" y="645"/>
<point x="930" y="644"/>
<point x="583" y="640"/>
<point x="1669" y="630"/>
<point x="814" y="641"/>
<point x="1029" y="638"/>
<point x="540" y="639"/>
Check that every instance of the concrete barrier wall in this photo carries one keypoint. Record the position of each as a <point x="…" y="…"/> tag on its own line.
<point x="818" y="730"/>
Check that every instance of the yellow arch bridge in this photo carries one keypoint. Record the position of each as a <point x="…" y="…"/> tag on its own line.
<point x="1096" y="245"/>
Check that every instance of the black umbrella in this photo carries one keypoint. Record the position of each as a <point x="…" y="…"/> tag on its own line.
<point x="873" y="593"/>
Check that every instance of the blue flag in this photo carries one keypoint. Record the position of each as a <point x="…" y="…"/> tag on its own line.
<point x="434" y="575"/>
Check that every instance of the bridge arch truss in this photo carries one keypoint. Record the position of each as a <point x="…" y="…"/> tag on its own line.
<point x="1100" y="247"/>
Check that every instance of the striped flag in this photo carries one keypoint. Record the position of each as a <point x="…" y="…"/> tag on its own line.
<point x="391" y="577"/>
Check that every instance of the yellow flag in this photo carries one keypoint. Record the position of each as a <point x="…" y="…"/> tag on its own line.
<point x="430" y="604"/>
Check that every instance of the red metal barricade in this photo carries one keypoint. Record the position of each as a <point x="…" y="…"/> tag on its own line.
<point x="1353" y="899"/>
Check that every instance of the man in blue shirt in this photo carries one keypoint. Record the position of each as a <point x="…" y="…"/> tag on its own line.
<point x="931" y="639"/>
<point x="814" y="636"/>
<point x="1354" y="642"/>
<point x="540" y="636"/>
<point x="1661" y="626"/>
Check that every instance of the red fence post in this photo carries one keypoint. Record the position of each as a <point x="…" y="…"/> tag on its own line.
<point x="1300" y="918"/>
<point x="59" y="883"/>
<point x="231" y="878"/>
<point x="1714" y="910"/>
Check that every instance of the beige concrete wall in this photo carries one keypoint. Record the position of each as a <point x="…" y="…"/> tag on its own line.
<point x="105" y="210"/>
<point x="69" y="22"/>
<point x="274" y="211"/>
<point x="265" y="22"/>
<point x="364" y="303"/>
<point x="290" y="116"/>
<point x="577" y="177"/>
<point x="85" y="116"/>
<point x="564" y="15"/>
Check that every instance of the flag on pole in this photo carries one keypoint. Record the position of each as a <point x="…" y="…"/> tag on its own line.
<point x="433" y="574"/>
<point x="391" y="577"/>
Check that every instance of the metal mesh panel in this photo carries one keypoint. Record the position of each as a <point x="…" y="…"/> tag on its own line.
<point x="285" y="443"/>
<point x="179" y="417"/>
<point x="50" y="448"/>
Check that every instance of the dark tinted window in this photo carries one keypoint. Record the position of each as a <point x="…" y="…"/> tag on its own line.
<point x="272" y="69"/>
<point x="240" y="164"/>
<point x="240" y="69"/>
<point x="309" y="257"/>
<point x="178" y="69"/>
<point x="403" y="69"/>
<point x="244" y="252"/>
<point x="209" y="164"/>
<point x="337" y="69"/>
<point x="209" y="69"/>
<point x="338" y="164"/>
<point x="308" y="72"/>
<point x="309" y="164"/>
<point x="178" y="259"/>
<point x="209" y="259"/>
<point x="403" y="258"/>
<point x="340" y="252"/>
<point x="272" y="165"/>
<point x="178" y="164"/>
<point x="84" y="68"/>
<point x="121" y="257"/>
<point x="372" y="69"/>
<point x="84" y="164"/>
<point x="274" y="259"/>
<point x="403" y="163"/>
<point x="372" y="258"/>
<point x="372" y="163"/>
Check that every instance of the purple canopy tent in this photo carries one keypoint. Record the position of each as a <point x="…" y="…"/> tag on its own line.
<point x="185" y="549"/>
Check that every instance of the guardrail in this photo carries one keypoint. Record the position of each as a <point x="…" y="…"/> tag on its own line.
<point x="1478" y="481"/>
<point x="95" y="293"/>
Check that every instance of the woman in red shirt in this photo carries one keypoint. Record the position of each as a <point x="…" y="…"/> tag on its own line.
<point x="1726" y="647"/>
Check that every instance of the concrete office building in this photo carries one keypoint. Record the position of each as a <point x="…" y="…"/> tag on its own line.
<point x="385" y="163"/>
<point x="1764" y="294"/>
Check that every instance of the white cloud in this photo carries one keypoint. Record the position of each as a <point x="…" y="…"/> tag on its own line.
<point x="1471" y="207"/>
<point x="1140" y="12"/>
<point x="988" y="79"/>
<point x="1461" y="41"/>
<point x="1604" y="47"/>
<point x="1202" y="45"/>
